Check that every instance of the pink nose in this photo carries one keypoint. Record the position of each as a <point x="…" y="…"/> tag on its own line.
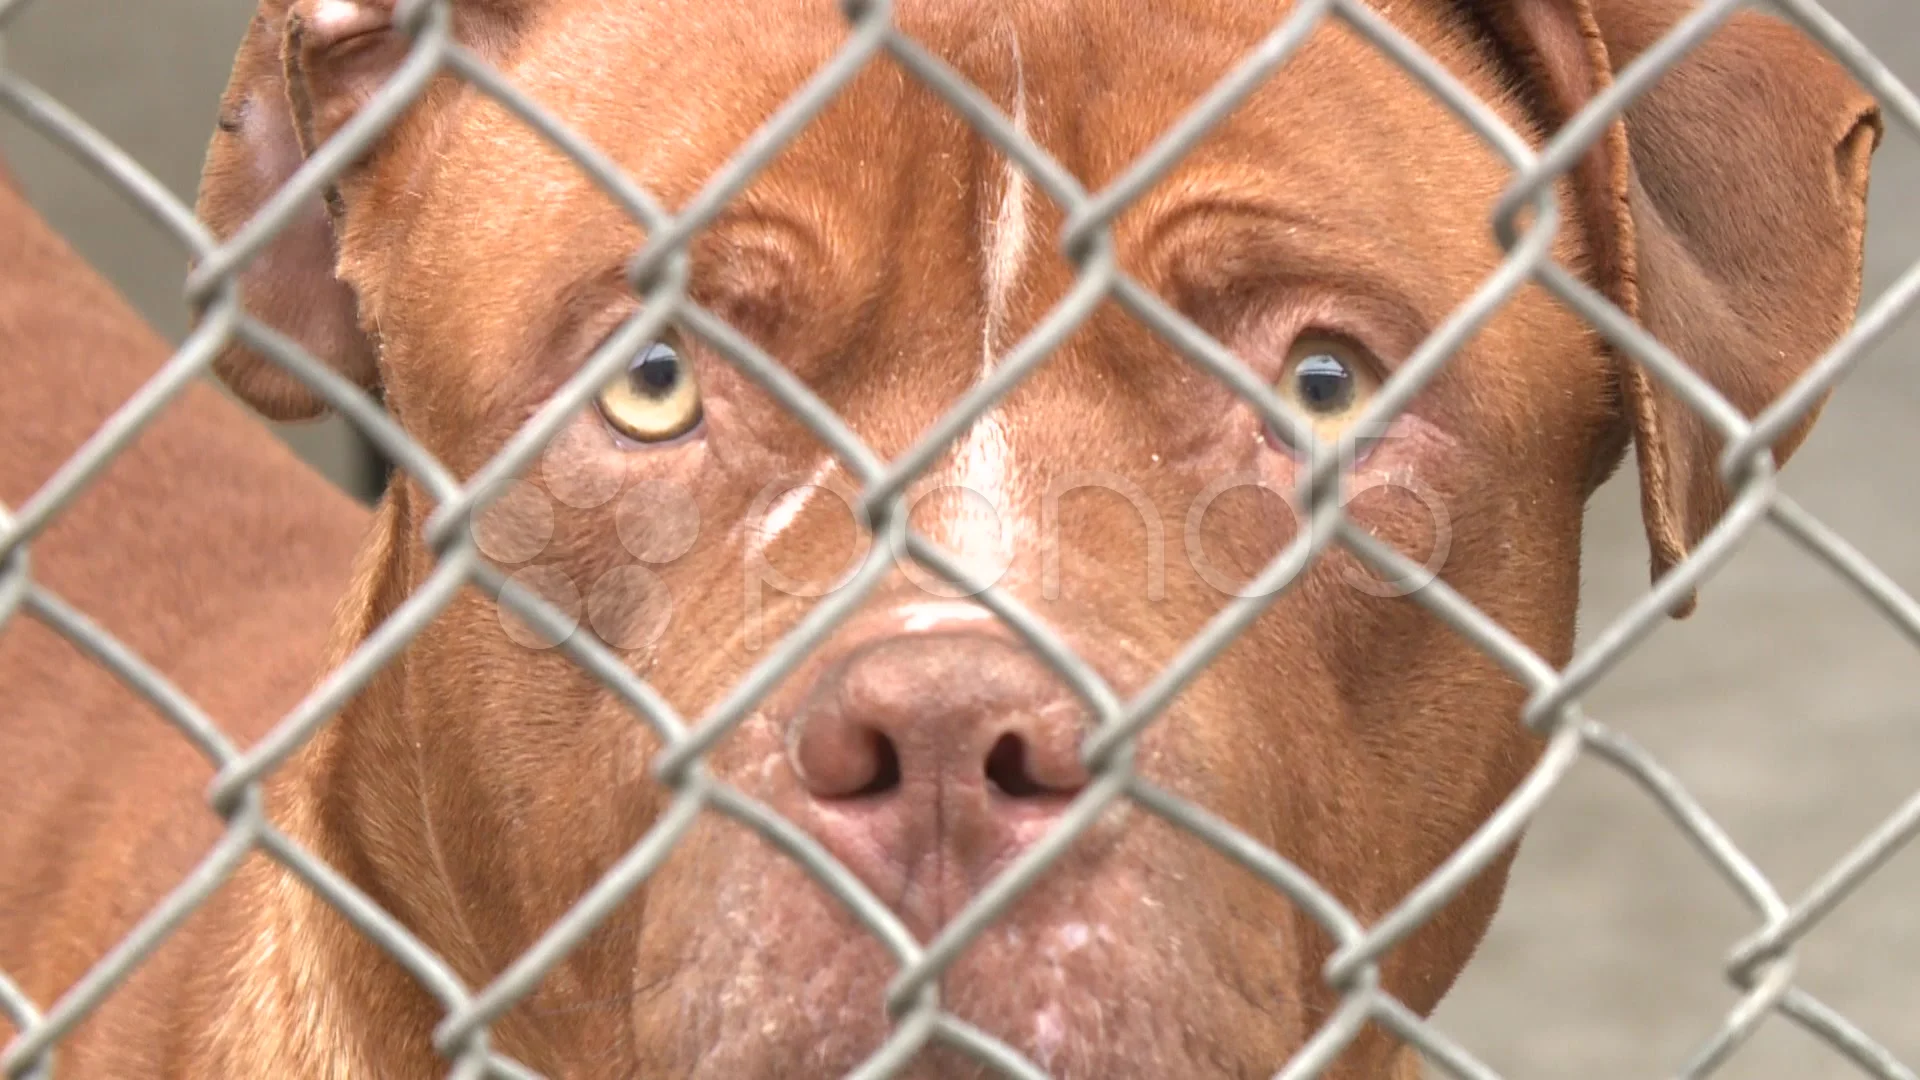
<point x="932" y="759"/>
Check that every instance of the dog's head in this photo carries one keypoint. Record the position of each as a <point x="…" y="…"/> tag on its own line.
<point x="890" y="257"/>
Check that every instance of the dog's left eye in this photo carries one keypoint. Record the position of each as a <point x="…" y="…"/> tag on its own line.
<point x="655" y="399"/>
<point x="1329" y="379"/>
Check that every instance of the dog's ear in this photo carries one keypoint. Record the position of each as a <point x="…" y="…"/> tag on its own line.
<point x="1726" y="214"/>
<point x="302" y="70"/>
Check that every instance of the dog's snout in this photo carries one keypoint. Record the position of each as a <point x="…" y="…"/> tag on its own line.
<point x="934" y="757"/>
<point x="958" y="711"/>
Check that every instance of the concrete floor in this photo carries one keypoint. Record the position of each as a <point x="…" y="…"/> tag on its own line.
<point x="1787" y="707"/>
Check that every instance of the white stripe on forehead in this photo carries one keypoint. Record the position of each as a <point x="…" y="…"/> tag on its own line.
<point x="1007" y="233"/>
<point x="983" y="466"/>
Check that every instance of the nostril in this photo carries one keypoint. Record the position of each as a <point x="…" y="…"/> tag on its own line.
<point x="1007" y="770"/>
<point x="886" y="767"/>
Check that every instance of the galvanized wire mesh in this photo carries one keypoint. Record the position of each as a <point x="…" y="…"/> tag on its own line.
<point x="1762" y="966"/>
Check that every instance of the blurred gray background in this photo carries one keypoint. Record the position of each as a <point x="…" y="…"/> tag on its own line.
<point x="149" y="77"/>
<point x="1786" y="706"/>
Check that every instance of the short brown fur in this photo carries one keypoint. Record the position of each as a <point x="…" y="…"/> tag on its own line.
<point x="479" y="787"/>
<point x="208" y="549"/>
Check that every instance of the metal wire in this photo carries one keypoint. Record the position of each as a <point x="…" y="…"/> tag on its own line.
<point x="1762" y="966"/>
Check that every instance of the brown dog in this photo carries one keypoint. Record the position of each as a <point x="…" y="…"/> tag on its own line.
<point x="206" y="547"/>
<point x="889" y="258"/>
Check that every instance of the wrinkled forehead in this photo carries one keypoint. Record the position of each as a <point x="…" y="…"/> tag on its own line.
<point x="1368" y="171"/>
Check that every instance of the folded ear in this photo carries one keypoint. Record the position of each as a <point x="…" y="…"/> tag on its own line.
<point x="302" y="69"/>
<point x="1726" y="214"/>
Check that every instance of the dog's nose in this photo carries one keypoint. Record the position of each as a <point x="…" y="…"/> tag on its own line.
<point x="931" y="759"/>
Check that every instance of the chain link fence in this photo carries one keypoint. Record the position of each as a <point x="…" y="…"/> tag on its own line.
<point x="1762" y="966"/>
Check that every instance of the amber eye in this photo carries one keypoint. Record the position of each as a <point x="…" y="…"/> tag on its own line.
<point x="1330" y="380"/>
<point x="655" y="399"/>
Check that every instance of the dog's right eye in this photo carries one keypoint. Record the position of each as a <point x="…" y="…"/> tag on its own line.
<point x="656" y="399"/>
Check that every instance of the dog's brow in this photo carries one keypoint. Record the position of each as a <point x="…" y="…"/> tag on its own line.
<point x="1213" y="251"/>
<point x="782" y="220"/>
<point x="750" y="257"/>
<point x="1199" y="200"/>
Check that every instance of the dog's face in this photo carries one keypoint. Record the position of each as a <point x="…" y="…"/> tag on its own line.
<point x="889" y="259"/>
